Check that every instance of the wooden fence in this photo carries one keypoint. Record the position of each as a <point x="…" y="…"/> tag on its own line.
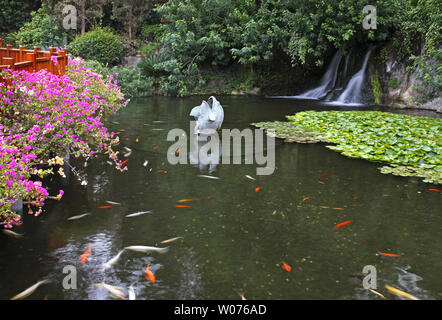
<point x="33" y="60"/>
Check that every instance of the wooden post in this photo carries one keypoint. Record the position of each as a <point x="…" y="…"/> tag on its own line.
<point x="52" y="67"/>
<point x="34" y="58"/>
<point x="8" y="50"/>
<point x="21" y="53"/>
<point x="1" y="43"/>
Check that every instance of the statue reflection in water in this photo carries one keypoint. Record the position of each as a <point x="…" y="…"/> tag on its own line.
<point x="208" y="118"/>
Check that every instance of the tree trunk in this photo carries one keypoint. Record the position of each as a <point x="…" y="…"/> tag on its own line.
<point x="129" y="22"/>
<point x="83" y="17"/>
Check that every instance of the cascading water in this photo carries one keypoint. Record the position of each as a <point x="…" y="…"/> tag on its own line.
<point x="352" y="93"/>
<point x="328" y="81"/>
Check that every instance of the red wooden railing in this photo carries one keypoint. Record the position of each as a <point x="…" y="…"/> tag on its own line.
<point x="33" y="60"/>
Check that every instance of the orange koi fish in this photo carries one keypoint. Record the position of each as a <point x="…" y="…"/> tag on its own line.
<point x="124" y="161"/>
<point x="355" y="197"/>
<point x="435" y="190"/>
<point x="85" y="255"/>
<point x="209" y="197"/>
<point x="155" y="148"/>
<point x="187" y="200"/>
<point x="181" y="206"/>
<point x="321" y="182"/>
<point x="149" y="275"/>
<point x="305" y="198"/>
<point x="286" y="267"/>
<point x="257" y="189"/>
<point x="389" y="254"/>
<point x="261" y="219"/>
<point x="160" y="171"/>
<point x="323" y="207"/>
<point x="104" y="207"/>
<point x="338" y="208"/>
<point x="341" y="224"/>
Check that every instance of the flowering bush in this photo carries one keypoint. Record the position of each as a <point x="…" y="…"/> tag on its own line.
<point x="44" y="117"/>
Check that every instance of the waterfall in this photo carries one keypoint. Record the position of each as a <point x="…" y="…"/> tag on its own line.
<point x="328" y="80"/>
<point x="352" y="92"/>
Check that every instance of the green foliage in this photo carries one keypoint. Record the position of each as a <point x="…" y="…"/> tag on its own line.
<point x="100" y="44"/>
<point x="410" y="145"/>
<point x="376" y="85"/>
<point x="394" y="83"/>
<point x="13" y="15"/>
<point x="43" y="30"/>
<point x="132" y="83"/>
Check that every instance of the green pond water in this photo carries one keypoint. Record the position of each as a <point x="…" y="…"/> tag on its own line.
<point x="234" y="242"/>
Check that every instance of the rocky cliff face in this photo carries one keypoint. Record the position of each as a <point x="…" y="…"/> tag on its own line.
<point x="398" y="86"/>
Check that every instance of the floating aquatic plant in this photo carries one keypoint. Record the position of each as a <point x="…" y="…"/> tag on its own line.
<point x="410" y="145"/>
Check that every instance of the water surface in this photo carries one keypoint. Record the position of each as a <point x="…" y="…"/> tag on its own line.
<point x="233" y="242"/>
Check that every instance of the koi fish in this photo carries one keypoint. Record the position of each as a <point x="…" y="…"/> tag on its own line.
<point x="377" y="293"/>
<point x="257" y="189"/>
<point x="149" y="275"/>
<point x="182" y="206"/>
<point x="127" y="149"/>
<point x="323" y="207"/>
<point x="321" y="182"/>
<point x="389" y="254"/>
<point x="137" y="139"/>
<point x="160" y="171"/>
<point x="209" y="197"/>
<point x="305" y="198"/>
<point x="341" y="224"/>
<point x="249" y="177"/>
<point x="79" y="216"/>
<point x="30" y="290"/>
<point x="114" y="291"/>
<point x="286" y="267"/>
<point x="155" y="148"/>
<point x="400" y="293"/>
<point x="170" y="240"/>
<point x="126" y="155"/>
<point x="137" y="214"/>
<point x="112" y="261"/>
<point x="323" y="175"/>
<point x="85" y="255"/>
<point x="435" y="190"/>
<point x="145" y="163"/>
<point x="147" y="249"/>
<point x="12" y="233"/>
<point x="242" y="297"/>
<point x="114" y="203"/>
<point x="124" y="162"/>
<point x="260" y="218"/>
<point x="205" y="176"/>
<point x="338" y="208"/>
<point x="355" y="197"/>
<point x="187" y="200"/>
<point x="131" y="292"/>
<point x="177" y="151"/>
<point x="104" y="207"/>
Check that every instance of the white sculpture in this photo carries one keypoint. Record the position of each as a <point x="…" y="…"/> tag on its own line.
<point x="209" y="116"/>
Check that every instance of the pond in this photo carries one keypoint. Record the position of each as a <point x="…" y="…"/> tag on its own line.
<point x="232" y="239"/>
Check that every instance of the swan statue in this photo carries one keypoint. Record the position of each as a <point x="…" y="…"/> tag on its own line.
<point x="209" y="116"/>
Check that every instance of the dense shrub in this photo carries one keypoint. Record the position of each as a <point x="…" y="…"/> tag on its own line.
<point x="100" y="44"/>
<point x="131" y="81"/>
